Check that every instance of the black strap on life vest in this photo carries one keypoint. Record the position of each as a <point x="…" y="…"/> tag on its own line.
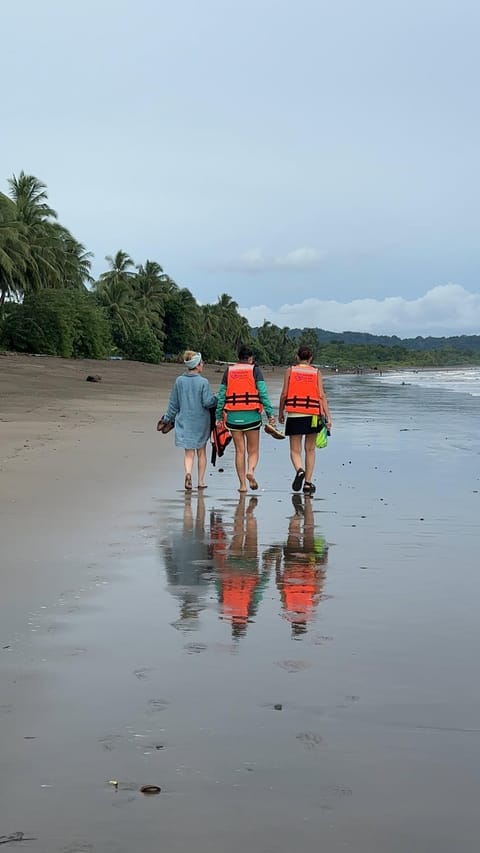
<point x="244" y="397"/>
<point x="304" y="402"/>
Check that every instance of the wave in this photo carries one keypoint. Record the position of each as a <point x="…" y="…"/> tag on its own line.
<point x="460" y="380"/>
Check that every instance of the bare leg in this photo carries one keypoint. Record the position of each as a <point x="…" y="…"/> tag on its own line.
<point x="253" y="444"/>
<point x="310" y="450"/>
<point x="200" y="516"/>
<point x="202" y="466"/>
<point x="188" y="461"/>
<point x="187" y="514"/>
<point x="296" y="451"/>
<point x="239" y="442"/>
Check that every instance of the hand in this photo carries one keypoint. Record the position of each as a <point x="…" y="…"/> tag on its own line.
<point x="329" y="425"/>
<point x="220" y="424"/>
<point x="281" y="419"/>
<point x="271" y="420"/>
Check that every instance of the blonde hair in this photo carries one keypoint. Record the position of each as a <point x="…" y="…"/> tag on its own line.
<point x="188" y="354"/>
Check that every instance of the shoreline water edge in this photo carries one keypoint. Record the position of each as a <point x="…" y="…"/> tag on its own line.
<point x="289" y="671"/>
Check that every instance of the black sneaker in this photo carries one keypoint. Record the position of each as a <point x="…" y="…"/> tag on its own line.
<point x="299" y="478"/>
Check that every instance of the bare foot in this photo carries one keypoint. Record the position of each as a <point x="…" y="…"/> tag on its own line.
<point x="253" y="483"/>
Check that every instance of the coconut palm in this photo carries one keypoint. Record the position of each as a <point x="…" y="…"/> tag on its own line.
<point x="30" y="197"/>
<point x="149" y="288"/>
<point x="13" y="252"/>
<point x="116" y="297"/>
<point x="121" y="269"/>
<point x="55" y="258"/>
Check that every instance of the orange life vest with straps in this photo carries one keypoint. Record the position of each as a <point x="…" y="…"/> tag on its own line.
<point x="242" y="392"/>
<point x="303" y="397"/>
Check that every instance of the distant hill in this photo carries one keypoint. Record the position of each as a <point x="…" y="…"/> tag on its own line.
<point x="464" y="343"/>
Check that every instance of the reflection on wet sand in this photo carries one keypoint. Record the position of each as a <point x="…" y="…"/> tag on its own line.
<point x="187" y="557"/>
<point x="300" y="567"/>
<point x="227" y="555"/>
<point x="240" y="582"/>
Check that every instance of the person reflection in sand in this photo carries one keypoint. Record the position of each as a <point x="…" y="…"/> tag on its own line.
<point x="187" y="557"/>
<point x="300" y="567"/>
<point x="240" y="582"/>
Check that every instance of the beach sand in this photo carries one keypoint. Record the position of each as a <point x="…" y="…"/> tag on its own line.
<point x="293" y="673"/>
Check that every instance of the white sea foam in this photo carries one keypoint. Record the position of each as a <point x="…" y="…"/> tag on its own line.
<point x="461" y="380"/>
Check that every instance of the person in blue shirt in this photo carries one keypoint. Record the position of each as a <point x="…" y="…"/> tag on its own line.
<point x="191" y="399"/>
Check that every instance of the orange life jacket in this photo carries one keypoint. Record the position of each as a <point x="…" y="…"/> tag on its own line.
<point x="303" y="397"/>
<point x="301" y="591"/>
<point x="242" y="392"/>
<point x="237" y="594"/>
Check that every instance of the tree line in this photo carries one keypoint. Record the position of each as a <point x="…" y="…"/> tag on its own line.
<point x="50" y="303"/>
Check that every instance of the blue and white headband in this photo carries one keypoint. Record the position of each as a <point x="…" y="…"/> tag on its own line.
<point x="194" y="361"/>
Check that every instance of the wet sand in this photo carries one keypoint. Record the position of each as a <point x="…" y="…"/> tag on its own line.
<point x="294" y="673"/>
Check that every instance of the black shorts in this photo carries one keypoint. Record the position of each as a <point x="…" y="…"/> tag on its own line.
<point x="301" y="426"/>
<point x="244" y="427"/>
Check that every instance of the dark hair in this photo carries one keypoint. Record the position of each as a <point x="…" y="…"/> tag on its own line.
<point x="304" y="353"/>
<point x="244" y="353"/>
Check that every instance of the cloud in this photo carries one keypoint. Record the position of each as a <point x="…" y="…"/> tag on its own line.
<point x="444" y="310"/>
<point x="255" y="260"/>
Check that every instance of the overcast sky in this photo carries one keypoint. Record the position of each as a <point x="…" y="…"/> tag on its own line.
<point x="317" y="160"/>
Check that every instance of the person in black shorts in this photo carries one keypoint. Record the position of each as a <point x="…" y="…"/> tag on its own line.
<point x="303" y="399"/>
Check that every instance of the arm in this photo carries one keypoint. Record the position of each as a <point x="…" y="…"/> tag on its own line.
<point x="324" y="401"/>
<point x="283" y="396"/>
<point x="209" y="400"/>
<point x="222" y="393"/>
<point x="263" y="394"/>
<point x="173" y="405"/>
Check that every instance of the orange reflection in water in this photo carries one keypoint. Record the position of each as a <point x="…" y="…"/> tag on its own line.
<point x="300" y="567"/>
<point x="240" y="582"/>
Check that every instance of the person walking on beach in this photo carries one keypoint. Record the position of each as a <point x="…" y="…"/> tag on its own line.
<point x="190" y="400"/>
<point x="304" y="400"/>
<point x="243" y="396"/>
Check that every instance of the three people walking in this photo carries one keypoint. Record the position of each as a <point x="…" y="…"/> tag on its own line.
<point x="241" y="400"/>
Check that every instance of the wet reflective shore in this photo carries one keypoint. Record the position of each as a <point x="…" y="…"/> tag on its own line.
<point x="293" y="672"/>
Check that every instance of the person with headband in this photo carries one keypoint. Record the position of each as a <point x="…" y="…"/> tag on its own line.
<point x="191" y="399"/>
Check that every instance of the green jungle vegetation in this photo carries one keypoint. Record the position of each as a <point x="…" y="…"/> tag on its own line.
<point x="51" y="304"/>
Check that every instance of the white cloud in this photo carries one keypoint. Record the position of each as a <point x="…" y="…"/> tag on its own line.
<point x="444" y="310"/>
<point x="255" y="260"/>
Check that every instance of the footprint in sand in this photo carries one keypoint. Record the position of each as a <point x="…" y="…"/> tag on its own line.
<point x="310" y="740"/>
<point x="195" y="648"/>
<point x="293" y="665"/>
<point x="157" y="705"/>
<point x="109" y="742"/>
<point x="143" y="673"/>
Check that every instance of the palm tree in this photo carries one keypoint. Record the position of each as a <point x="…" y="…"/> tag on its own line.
<point x="30" y="197"/>
<point x="149" y="287"/>
<point x="116" y="297"/>
<point x="13" y="252"/>
<point x="121" y="268"/>
<point x="75" y="260"/>
<point x="55" y="258"/>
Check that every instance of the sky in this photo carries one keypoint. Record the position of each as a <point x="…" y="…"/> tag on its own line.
<point x="317" y="161"/>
